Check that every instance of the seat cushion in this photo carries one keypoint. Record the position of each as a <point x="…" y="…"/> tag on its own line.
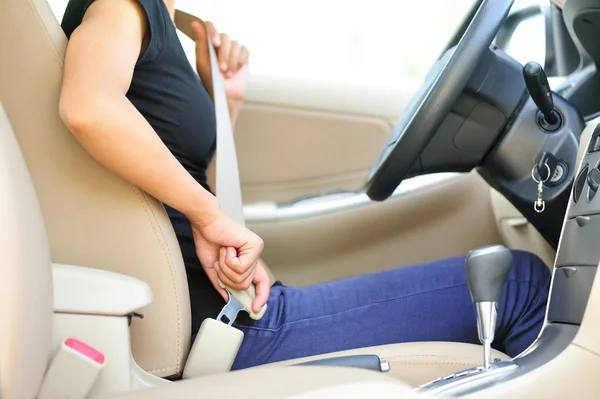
<point x="416" y="363"/>
<point x="284" y="382"/>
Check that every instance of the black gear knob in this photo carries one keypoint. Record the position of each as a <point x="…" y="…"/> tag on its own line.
<point x="486" y="270"/>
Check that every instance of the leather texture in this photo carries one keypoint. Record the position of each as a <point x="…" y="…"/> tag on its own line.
<point x="416" y="363"/>
<point x="93" y="218"/>
<point x="285" y="382"/>
<point x="26" y="278"/>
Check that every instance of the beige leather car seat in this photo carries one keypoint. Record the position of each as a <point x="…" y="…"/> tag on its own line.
<point x="26" y="299"/>
<point x="95" y="219"/>
<point x="25" y="278"/>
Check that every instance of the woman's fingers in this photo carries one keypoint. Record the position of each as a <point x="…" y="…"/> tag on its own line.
<point x="233" y="280"/>
<point x="234" y="57"/>
<point x="230" y="271"/>
<point x="223" y="52"/>
<point x="214" y="34"/>
<point x="231" y="54"/>
<point x="244" y="56"/>
<point x="263" y="287"/>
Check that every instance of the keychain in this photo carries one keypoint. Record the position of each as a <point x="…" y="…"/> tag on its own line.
<point x="539" y="205"/>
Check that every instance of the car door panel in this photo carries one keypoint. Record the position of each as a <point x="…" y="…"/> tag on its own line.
<point x="286" y="153"/>
<point x="300" y="140"/>
<point x="442" y="219"/>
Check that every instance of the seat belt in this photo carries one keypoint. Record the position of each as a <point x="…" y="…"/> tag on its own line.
<point x="217" y="344"/>
<point x="227" y="180"/>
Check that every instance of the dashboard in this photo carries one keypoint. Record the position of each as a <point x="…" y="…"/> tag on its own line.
<point x="579" y="248"/>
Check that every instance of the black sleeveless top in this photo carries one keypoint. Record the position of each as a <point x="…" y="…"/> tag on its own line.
<point x="169" y="94"/>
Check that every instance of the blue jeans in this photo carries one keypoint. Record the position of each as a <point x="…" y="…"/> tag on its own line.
<point x="426" y="302"/>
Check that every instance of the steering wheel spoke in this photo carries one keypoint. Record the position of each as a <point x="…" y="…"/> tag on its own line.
<point x="442" y="86"/>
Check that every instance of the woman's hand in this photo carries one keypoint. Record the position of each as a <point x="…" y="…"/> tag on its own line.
<point x="233" y="62"/>
<point x="230" y="252"/>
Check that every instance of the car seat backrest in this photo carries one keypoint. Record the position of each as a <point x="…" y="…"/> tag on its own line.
<point x="92" y="217"/>
<point x="25" y="277"/>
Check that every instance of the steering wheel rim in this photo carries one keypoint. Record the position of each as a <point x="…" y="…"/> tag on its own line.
<point x="433" y="102"/>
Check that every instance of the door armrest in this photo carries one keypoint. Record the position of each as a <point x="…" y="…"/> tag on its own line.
<point x="84" y="290"/>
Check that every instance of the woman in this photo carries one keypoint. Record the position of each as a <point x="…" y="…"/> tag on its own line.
<point x="133" y="101"/>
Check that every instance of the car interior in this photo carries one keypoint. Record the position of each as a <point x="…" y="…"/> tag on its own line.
<point x="486" y="156"/>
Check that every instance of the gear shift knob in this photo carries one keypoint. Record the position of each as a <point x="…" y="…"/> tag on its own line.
<point x="486" y="270"/>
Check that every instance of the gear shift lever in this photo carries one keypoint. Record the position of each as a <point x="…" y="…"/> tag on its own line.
<point x="486" y="270"/>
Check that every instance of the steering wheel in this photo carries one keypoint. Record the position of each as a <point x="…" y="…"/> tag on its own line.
<point x="431" y="104"/>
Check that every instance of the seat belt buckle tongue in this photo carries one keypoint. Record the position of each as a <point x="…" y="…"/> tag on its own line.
<point x="240" y="300"/>
<point x="231" y="309"/>
<point x="72" y="372"/>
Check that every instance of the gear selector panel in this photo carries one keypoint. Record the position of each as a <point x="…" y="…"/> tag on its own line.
<point x="578" y="253"/>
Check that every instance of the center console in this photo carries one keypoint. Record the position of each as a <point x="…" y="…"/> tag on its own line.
<point x="578" y="252"/>
<point x="577" y="259"/>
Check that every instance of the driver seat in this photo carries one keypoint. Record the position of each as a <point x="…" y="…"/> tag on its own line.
<point x="94" y="219"/>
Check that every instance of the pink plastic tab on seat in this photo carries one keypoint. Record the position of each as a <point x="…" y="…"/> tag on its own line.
<point x="85" y="350"/>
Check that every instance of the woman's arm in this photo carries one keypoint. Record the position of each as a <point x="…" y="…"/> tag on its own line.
<point x="99" y="65"/>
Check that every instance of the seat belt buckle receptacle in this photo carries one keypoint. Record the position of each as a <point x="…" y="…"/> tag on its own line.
<point x="73" y="371"/>
<point x="214" y="349"/>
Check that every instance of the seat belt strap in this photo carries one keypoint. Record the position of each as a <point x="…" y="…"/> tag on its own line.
<point x="227" y="181"/>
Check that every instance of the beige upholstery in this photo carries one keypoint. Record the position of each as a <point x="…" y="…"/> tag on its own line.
<point x="92" y="218"/>
<point x="286" y="382"/>
<point x="25" y="276"/>
<point x="418" y="362"/>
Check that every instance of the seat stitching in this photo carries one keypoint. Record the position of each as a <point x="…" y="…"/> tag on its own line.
<point x="42" y="27"/>
<point x="416" y="355"/>
<point x="440" y="362"/>
<point x="141" y="198"/>
<point x="173" y="279"/>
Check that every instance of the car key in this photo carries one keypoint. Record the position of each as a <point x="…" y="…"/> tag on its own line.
<point x="231" y="310"/>
<point x="539" y="205"/>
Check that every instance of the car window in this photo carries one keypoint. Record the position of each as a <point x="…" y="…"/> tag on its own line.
<point x="349" y="40"/>
<point x="339" y="40"/>
<point x="528" y="42"/>
<point x="58" y="7"/>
